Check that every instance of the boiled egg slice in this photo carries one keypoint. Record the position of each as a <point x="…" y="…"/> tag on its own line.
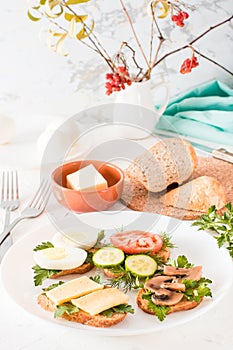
<point x="60" y="258"/>
<point x="74" y="239"/>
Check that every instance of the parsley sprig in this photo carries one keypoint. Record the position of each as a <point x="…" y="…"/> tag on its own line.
<point x="43" y="245"/>
<point x="42" y="274"/>
<point x="67" y="308"/>
<point x="181" y="262"/>
<point x="221" y="225"/>
<point x="122" y="308"/>
<point x="159" y="310"/>
<point x="196" y="290"/>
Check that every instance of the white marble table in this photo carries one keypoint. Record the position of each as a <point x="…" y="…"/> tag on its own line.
<point x="22" y="331"/>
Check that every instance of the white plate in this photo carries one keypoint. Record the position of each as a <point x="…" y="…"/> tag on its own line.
<point x="198" y="246"/>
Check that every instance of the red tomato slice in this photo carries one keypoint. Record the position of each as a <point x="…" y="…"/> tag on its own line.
<point x="133" y="242"/>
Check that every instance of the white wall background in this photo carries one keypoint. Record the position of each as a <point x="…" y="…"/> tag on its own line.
<point x="36" y="83"/>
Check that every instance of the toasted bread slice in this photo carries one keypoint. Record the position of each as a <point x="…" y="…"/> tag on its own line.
<point x="82" y="316"/>
<point x="181" y="306"/>
<point x="79" y="270"/>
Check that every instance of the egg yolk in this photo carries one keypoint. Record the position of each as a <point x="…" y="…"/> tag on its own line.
<point x="55" y="253"/>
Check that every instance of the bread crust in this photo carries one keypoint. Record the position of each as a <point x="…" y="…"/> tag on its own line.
<point x="136" y="197"/>
<point x="181" y="306"/>
<point x="197" y="195"/>
<point x="166" y="162"/>
<point x="82" y="316"/>
<point x="79" y="270"/>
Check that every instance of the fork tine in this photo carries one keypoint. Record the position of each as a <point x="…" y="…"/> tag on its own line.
<point x="3" y="186"/>
<point x="16" y="185"/>
<point x="44" y="197"/>
<point x="7" y="185"/>
<point x="41" y="193"/>
<point x="37" y="195"/>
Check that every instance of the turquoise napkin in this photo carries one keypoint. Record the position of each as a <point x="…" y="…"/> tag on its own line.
<point x="205" y="113"/>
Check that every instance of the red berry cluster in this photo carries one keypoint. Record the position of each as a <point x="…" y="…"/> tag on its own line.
<point x="188" y="65"/>
<point x="116" y="81"/>
<point x="179" y="18"/>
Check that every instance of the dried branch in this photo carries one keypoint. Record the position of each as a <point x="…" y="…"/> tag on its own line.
<point x="134" y="33"/>
<point x="191" y="43"/>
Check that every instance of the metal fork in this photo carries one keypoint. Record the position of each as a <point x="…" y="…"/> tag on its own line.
<point x="9" y="194"/>
<point x="33" y="209"/>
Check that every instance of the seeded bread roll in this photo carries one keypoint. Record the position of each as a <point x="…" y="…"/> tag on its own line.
<point x="169" y="161"/>
<point x="197" y="195"/>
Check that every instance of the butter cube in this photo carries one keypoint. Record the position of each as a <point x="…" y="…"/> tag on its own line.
<point x="86" y="179"/>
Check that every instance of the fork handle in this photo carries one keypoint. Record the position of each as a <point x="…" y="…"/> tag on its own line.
<point x="7" y="229"/>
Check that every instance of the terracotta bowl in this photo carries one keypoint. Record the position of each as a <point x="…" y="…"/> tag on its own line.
<point x="87" y="201"/>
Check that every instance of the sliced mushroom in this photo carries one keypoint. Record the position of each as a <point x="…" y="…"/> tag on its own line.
<point x="165" y="289"/>
<point x="192" y="273"/>
<point x="168" y="298"/>
<point x="174" y="285"/>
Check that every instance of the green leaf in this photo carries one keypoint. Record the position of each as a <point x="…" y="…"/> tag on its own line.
<point x="221" y="225"/>
<point x="43" y="245"/>
<point x="196" y="290"/>
<point x="69" y="17"/>
<point x="52" y="286"/>
<point x="167" y="240"/>
<point x="89" y="258"/>
<point x="67" y="308"/>
<point x="75" y="2"/>
<point x="96" y="279"/>
<point x="33" y="18"/>
<point x="122" y="308"/>
<point x="101" y="236"/>
<point x="159" y="310"/>
<point x="182" y="262"/>
<point x="42" y="274"/>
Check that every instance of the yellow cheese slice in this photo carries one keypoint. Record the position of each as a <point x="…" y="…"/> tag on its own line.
<point x="73" y="289"/>
<point x="101" y="300"/>
<point x="86" y="179"/>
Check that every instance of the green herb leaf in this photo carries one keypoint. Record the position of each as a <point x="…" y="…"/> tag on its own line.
<point x="101" y="236"/>
<point x="52" y="286"/>
<point x="43" y="245"/>
<point x="159" y="310"/>
<point x="167" y="241"/>
<point x="181" y="262"/>
<point x="67" y="308"/>
<point x="42" y="274"/>
<point x="96" y="279"/>
<point x="222" y="225"/>
<point x="122" y="308"/>
<point x="196" y="290"/>
<point x="89" y="258"/>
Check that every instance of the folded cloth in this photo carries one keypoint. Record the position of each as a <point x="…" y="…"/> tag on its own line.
<point x="205" y="113"/>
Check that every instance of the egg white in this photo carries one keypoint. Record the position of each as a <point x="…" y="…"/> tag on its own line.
<point x="78" y="240"/>
<point x="60" y="258"/>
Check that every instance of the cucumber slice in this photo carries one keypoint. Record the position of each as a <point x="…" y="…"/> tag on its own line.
<point x="108" y="256"/>
<point x="141" y="265"/>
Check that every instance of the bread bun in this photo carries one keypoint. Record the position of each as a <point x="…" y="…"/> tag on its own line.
<point x="169" y="161"/>
<point x="197" y="195"/>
